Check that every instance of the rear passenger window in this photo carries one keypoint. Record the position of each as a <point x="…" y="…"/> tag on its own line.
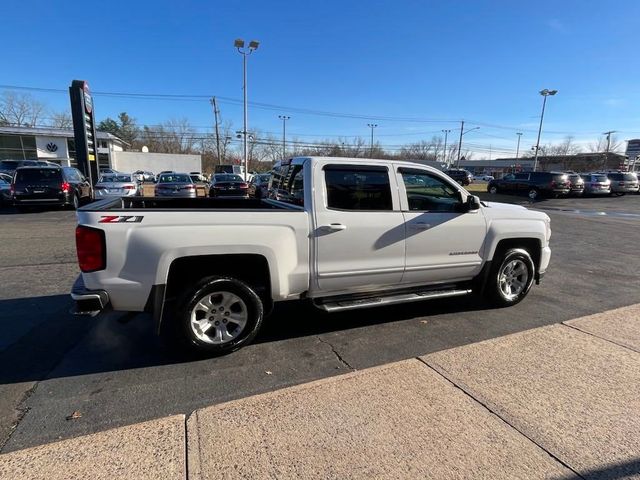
<point x="351" y="187"/>
<point x="287" y="184"/>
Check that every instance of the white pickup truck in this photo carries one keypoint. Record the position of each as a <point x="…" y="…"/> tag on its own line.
<point x="344" y="233"/>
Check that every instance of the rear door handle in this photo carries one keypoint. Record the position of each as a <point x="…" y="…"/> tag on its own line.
<point x="334" y="227"/>
<point x="421" y="225"/>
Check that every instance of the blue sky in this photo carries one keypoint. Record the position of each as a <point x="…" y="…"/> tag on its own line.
<point x="436" y="61"/>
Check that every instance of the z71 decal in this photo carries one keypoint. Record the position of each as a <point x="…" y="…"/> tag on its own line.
<point x="121" y="219"/>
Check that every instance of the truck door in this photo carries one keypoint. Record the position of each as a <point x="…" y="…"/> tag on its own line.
<point x="444" y="241"/>
<point x="359" y="231"/>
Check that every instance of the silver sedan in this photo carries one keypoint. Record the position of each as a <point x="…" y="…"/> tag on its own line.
<point x="175" y="185"/>
<point x="116" y="185"/>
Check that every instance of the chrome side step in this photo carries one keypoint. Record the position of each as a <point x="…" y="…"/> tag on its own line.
<point x="351" y="304"/>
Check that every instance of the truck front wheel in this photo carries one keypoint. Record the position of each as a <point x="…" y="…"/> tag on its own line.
<point x="220" y="315"/>
<point x="510" y="278"/>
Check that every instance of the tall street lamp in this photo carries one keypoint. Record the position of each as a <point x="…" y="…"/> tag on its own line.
<point x="545" y="93"/>
<point x="518" y="147"/>
<point x="245" y="52"/>
<point x="371" y="126"/>
<point x="284" y="119"/>
<point x="446" y="133"/>
<point x="462" y="132"/>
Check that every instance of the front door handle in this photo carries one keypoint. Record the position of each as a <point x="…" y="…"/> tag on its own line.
<point x="334" y="227"/>
<point x="421" y="225"/>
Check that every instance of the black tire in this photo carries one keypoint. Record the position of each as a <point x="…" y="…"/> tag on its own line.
<point x="249" y="301"/>
<point x="533" y="194"/>
<point x="493" y="290"/>
<point x="492" y="189"/>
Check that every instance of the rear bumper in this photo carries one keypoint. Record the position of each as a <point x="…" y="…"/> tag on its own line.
<point x="88" y="302"/>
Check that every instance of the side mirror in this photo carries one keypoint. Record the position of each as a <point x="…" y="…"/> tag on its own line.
<point x="473" y="203"/>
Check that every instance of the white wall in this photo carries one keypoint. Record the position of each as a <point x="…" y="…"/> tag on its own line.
<point x="155" y="162"/>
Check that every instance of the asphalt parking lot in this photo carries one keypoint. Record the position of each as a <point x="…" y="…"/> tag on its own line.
<point x="62" y="376"/>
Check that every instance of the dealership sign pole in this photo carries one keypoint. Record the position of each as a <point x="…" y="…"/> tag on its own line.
<point x="84" y="129"/>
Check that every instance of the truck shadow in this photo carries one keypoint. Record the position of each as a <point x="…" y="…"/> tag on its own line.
<point x="54" y="343"/>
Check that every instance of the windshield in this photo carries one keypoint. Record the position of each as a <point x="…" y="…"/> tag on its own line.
<point x="8" y="165"/>
<point x="40" y="176"/>
<point x="228" y="178"/>
<point x="174" y="178"/>
<point x="115" y="178"/>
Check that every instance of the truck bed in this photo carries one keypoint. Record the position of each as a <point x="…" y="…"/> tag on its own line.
<point x="200" y="203"/>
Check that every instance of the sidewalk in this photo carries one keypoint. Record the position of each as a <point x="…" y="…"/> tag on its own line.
<point x="556" y="402"/>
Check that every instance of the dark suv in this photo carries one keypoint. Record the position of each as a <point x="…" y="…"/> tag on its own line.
<point x="61" y="186"/>
<point x="532" y="184"/>
<point x="460" y="175"/>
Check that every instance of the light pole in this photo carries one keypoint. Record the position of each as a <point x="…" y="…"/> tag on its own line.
<point x="245" y="52"/>
<point x="606" y="155"/>
<point x="446" y="133"/>
<point x="462" y="132"/>
<point x="284" y="119"/>
<point x="518" y="147"/>
<point x="372" y="126"/>
<point x="545" y="93"/>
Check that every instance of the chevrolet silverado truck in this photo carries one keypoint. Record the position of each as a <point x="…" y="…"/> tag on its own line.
<point x="342" y="233"/>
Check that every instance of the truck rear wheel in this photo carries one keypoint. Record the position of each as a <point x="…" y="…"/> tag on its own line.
<point x="219" y="315"/>
<point x="510" y="278"/>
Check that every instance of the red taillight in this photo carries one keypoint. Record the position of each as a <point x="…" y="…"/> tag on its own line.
<point x="12" y="189"/>
<point x="244" y="185"/>
<point x="129" y="187"/>
<point x="553" y="184"/>
<point x="191" y="187"/>
<point x="65" y="187"/>
<point x="621" y="184"/>
<point x="91" y="249"/>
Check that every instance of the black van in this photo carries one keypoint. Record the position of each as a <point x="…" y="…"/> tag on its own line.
<point x="50" y="186"/>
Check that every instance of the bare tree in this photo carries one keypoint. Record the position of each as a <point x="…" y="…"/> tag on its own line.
<point x="20" y="110"/>
<point x="173" y="136"/>
<point x="61" y="120"/>
<point x="600" y="145"/>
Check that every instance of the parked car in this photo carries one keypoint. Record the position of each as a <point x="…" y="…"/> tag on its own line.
<point x="144" y="176"/>
<point x="5" y="189"/>
<point x="460" y="175"/>
<point x="259" y="185"/>
<point x="484" y="178"/>
<point x="532" y="184"/>
<point x="198" y="177"/>
<point x="228" y="185"/>
<point x="358" y="237"/>
<point x="57" y="186"/>
<point x="175" y="185"/>
<point x="596" y="184"/>
<point x="623" y="182"/>
<point x="576" y="184"/>
<point x="116" y="185"/>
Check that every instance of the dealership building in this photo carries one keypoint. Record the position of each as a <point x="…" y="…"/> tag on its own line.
<point x="53" y="144"/>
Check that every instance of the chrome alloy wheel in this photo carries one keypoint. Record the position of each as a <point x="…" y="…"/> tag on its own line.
<point x="513" y="278"/>
<point x="218" y="317"/>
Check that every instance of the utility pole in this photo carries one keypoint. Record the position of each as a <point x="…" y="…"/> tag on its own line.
<point x="284" y="119"/>
<point x="446" y="133"/>
<point x="606" y="155"/>
<point x="460" y="143"/>
<point x="372" y="126"/>
<point x="215" y="114"/>
<point x="518" y="147"/>
<point x="462" y="132"/>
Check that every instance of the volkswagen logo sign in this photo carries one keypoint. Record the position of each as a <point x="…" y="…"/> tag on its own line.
<point x="52" y="147"/>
